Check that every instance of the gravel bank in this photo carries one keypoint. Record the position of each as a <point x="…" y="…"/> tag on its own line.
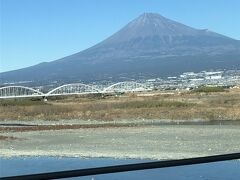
<point x="143" y="142"/>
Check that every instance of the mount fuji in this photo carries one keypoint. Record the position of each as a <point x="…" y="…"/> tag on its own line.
<point x="150" y="45"/>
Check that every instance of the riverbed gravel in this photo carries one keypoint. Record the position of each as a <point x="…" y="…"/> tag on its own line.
<point x="141" y="142"/>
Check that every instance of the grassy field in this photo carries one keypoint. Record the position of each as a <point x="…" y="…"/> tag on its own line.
<point x="206" y="104"/>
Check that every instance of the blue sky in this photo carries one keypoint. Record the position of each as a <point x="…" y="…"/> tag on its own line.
<point x="34" y="31"/>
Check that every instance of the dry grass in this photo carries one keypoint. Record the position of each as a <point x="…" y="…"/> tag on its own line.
<point x="7" y="138"/>
<point x="185" y="105"/>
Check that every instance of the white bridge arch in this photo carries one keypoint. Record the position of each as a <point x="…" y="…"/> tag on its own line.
<point x="18" y="91"/>
<point x="126" y="86"/>
<point x="70" y="89"/>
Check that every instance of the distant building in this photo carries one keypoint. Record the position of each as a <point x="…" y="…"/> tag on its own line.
<point x="214" y="77"/>
<point x="151" y="80"/>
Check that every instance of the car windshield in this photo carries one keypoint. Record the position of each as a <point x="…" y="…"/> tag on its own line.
<point x="86" y="84"/>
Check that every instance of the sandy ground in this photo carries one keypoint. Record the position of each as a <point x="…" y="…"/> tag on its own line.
<point x="142" y="142"/>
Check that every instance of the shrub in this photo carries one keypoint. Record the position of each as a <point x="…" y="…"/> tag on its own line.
<point x="152" y="104"/>
<point x="21" y="102"/>
<point x="210" y="89"/>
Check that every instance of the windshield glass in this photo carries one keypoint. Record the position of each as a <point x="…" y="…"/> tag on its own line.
<point x="88" y="84"/>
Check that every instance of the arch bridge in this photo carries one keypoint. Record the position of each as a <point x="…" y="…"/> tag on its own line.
<point x="70" y="89"/>
<point x="127" y="86"/>
<point x="18" y="92"/>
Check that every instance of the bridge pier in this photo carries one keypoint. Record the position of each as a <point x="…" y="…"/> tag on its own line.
<point x="45" y="98"/>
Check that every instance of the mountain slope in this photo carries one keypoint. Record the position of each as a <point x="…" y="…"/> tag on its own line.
<point x="150" y="44"/>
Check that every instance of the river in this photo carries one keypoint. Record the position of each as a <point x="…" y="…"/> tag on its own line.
<point x="27" y="165"/>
